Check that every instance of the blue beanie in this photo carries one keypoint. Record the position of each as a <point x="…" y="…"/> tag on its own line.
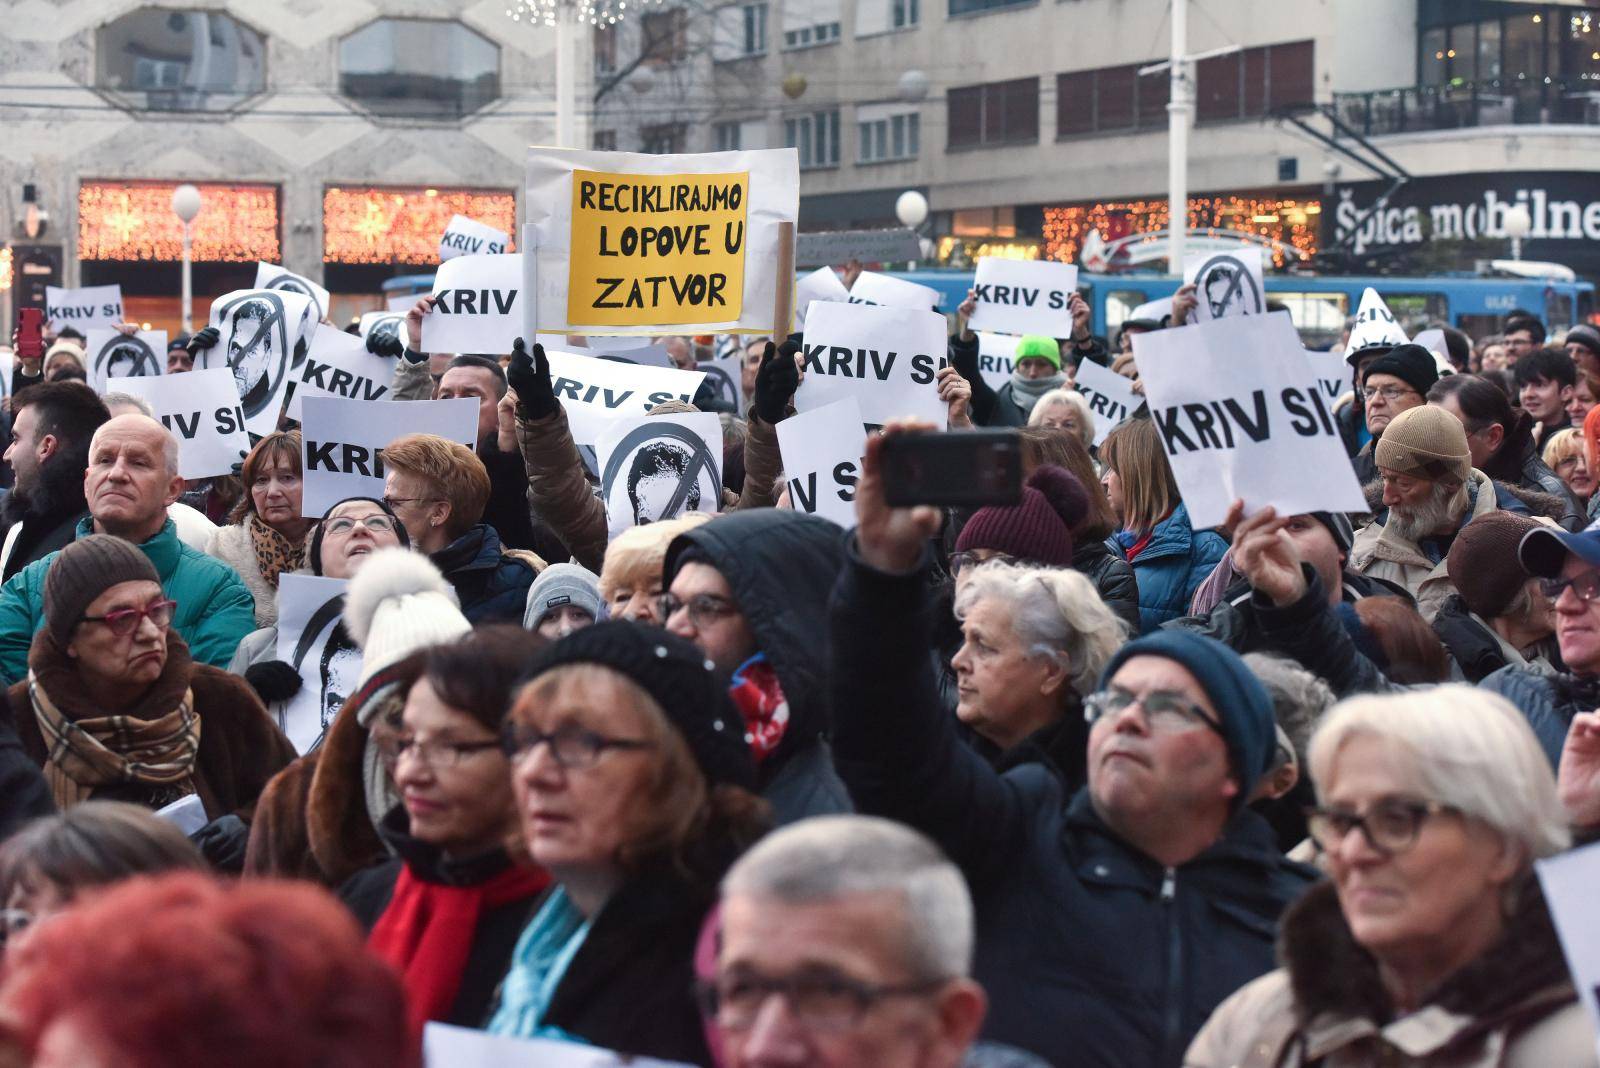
<point x="1239" y="698"/>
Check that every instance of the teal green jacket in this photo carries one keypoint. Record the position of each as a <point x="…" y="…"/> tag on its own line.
<point x="214" y="611"/>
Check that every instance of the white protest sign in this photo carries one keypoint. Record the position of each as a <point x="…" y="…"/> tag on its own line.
<point x="886" y="358"/>
<point x="1152" y="310"/>
<point x="402" y="303"/>
<point x="478" y="305"/>
<point x="1110" y="397"/>
<point x="342" y="442"/>
<point x="469" y="237"/>
<point x="1568" y="880"/>
<point x="657" y="243"/>
<point x="997" y="357"/>
<point x="891" y="292"/>
<point x="596" y="392"/>
<point x="384" y="324"/>
<point x="187" y="813"/>
<point x="1434" y="342"/>
<point x="822" y="452"/>
<point x="338" y="365"/>
<point x="447" y="1046"/>
<point x="113" y="354"/>
<point x="272" y="276"/>
<point x="820" y="284"/>
<point x="1240" y="418"/>
<point x="659" y="467"/>
<point x="311" y="641"/>
<point x="260" y="329"/>
<point x="1024" y="296"/>
<point x="1227" y="284"/>
<point x="1332" y="375"/>
<point x="726" y="377"/>
<point x="203" y="411"/>
<point x="83" y="308"/>
<point x="1375" y="324"/>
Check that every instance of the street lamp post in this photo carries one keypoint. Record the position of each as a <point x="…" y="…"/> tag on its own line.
<point x="1517" y="223"/>
<point x="186" y="205"/>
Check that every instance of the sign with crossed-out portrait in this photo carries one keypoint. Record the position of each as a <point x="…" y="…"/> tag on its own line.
<point x="660" y="467"/>
<point x="260" y="330"/>
<point x="1226" y="283"/>
<point x="312" y="640"/>
<point x="113" y="354"/>
<point x="272" y="276"/>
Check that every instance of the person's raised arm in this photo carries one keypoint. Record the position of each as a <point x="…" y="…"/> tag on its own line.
<point x="776" y="381"/>
<point x="1578" y="778"/>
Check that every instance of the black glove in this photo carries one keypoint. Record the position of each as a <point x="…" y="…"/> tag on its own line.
<point x="384" y="344"/>
<point x="776" y="381"/>
<point x="203" y="340"/>
<point x="273" y="680"/>
<point x="222" y="842"/>
<point x="530" y="377"/>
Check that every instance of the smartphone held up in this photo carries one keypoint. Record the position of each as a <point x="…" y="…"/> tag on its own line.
<point x="962" y="469"/>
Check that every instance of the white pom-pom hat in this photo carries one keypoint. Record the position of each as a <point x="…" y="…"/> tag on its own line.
<point x="396" y="604"/>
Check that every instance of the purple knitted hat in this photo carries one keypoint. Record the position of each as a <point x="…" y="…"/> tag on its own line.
<point x="1037" y="531"/>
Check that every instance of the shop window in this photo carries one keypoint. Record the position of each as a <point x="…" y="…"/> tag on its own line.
<point x="134" y="221"/>
<point x="387" y="225"/>
<point x="164" y="60"/>
<point x="419" y="68"/>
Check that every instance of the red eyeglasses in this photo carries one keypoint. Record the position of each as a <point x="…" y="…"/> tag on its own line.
<point x="124" y="621"/>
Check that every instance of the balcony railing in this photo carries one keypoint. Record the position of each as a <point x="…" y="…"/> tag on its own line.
<point x="1488" y="103"/>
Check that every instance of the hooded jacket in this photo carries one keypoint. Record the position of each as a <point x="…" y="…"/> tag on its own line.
<point x="1512" y="1007"/>
<point x="1171" y="567"/>
<point x="1518" y="464"/>
<point x="214" y="611"/>
<point x="780" y="566"/>
<point x="1093" y="954"/>
<point x="491" y="583"/>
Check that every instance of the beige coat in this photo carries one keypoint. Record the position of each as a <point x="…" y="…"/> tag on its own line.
<point x="1382" y="554"/>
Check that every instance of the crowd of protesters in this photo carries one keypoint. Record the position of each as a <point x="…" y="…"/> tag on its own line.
<point x="1067" y="782"/>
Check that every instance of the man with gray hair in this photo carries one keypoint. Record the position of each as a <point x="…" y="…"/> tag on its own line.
<point x="132" y="477"/>
<point x="846" y="940"/>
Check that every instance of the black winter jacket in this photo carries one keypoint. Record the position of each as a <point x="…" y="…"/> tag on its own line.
<point x="1234" y="621"/>
<point x="1112" y="576"/>
<point x="1093" y="954"/>
<point x="23" y="793"/>
<point x="1475" y="648"/>
<point x="368" y="893"/>
<point x="492" y="587"/>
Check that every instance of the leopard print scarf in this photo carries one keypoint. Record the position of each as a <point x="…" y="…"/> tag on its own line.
<point x="275" y="553"/>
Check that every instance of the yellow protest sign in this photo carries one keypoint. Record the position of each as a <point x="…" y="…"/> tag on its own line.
<point x="656" y="248"/>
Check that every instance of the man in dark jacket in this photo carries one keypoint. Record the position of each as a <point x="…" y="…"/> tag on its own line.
<point x="1111" y="923"/>
<point x="23" y="793"/>
<point x="751" y="590"/>
<point x="54" y="423"/>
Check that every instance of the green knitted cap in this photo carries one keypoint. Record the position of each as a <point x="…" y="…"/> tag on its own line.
<point x="1038" y="347"/>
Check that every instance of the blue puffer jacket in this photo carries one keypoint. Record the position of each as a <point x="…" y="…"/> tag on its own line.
<point x="1171" y="567"/>
<point x="1549" y="702"/>
<point x="492" y="587"/>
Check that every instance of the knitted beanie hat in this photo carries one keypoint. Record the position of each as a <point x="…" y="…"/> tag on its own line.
<point x="1479" y="562"/>
<point x="1586" y="335"/>
<point x="84" y="570"/>
<point x="1412" y="364"/>
<point x="677" y="675"/>
<point x="1037" y="531"/>
<point x="1425" y="442"/>
<point x="1243" y="707"/>
<point x="314" y="550"/>
<point x="1338" y="525"/>
<point x="396" y="604"/>
<point x="562" y="584"/>
<point x="1038" y="347"/>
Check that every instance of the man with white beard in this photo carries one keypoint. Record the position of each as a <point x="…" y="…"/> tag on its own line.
<point x="1430" y="491"/>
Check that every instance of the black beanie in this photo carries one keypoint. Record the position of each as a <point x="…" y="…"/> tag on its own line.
<point x="1412" y="364"/>
<point x="677" y="675"/>
<point x="314" y="550"/>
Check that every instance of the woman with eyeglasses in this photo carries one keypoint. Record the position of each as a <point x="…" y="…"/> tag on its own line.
<point x="115" y="709"/>
<point x="635" y="788"/>
<point x="1430" y="943"/>
<point x="267" y="534"/>
<point x="446" y="910"/>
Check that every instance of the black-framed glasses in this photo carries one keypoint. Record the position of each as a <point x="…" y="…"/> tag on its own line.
<point x="1388" y="393"/>
<point x="1585" y="585"/>
<point x="704" y="608"/>
<point x="1390" y="826"/>
<point x="436" y="754"/>
<point x="124" y="621"/>
<point x="345" y="524"/>
<point x="820" y="1001"/>
<point x="959" y="562"/>
<point x="1165" y="711"/>
<point x="572" y="747"/>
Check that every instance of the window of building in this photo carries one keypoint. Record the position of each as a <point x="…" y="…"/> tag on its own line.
<point x="605" y="49"/>
<point x="1251" y="83"/>
<point x="883" y="16"/>
<point x="166" y="60"/>
<point x="975" y="7"/>
<point x="739" y="31"/>
<point x="664" y="37"/>
<point x="808" y="23"/>
<point x="904" y="13"/>
<point x="725" y="137"/>
<point x="739" y="136"/>
<point x="884" y="134"/>
<point x="663" y="139"/>
<point x="816" y="136"/>
<point x="1000" y="113"/>
<point x="419" y="68"/>
<point x="605" y="140"/>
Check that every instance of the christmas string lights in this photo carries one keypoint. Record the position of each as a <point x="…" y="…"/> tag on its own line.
<point x="134" y="221"/>
<point x="377" y="225"/>
<point x="1288" y="220"/>
<point x="7" y="276"/>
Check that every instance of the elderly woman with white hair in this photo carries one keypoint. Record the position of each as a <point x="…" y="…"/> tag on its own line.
<point x="1034" y="641"/>
<point x="1431" y="943"/>
<point x="1065" y="409"/>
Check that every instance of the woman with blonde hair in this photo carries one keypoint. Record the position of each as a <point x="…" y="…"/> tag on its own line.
<point x="1170" y="558"/>
<point x="630" y="577"/>
<point x="1564" y="454"/>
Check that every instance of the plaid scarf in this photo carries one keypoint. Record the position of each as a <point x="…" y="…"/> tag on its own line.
<point x="87" y="753"/>
<point x="275" y="553"/>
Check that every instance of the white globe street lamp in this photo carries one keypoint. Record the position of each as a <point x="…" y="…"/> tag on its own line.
<point x="911" y="209"/>
<point x="1517" y="223"/>
<point x="186" y="204"/>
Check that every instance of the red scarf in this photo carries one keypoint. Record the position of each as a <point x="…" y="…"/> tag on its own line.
<point x="760" y="700"/>
<point x="427" y="931"/>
